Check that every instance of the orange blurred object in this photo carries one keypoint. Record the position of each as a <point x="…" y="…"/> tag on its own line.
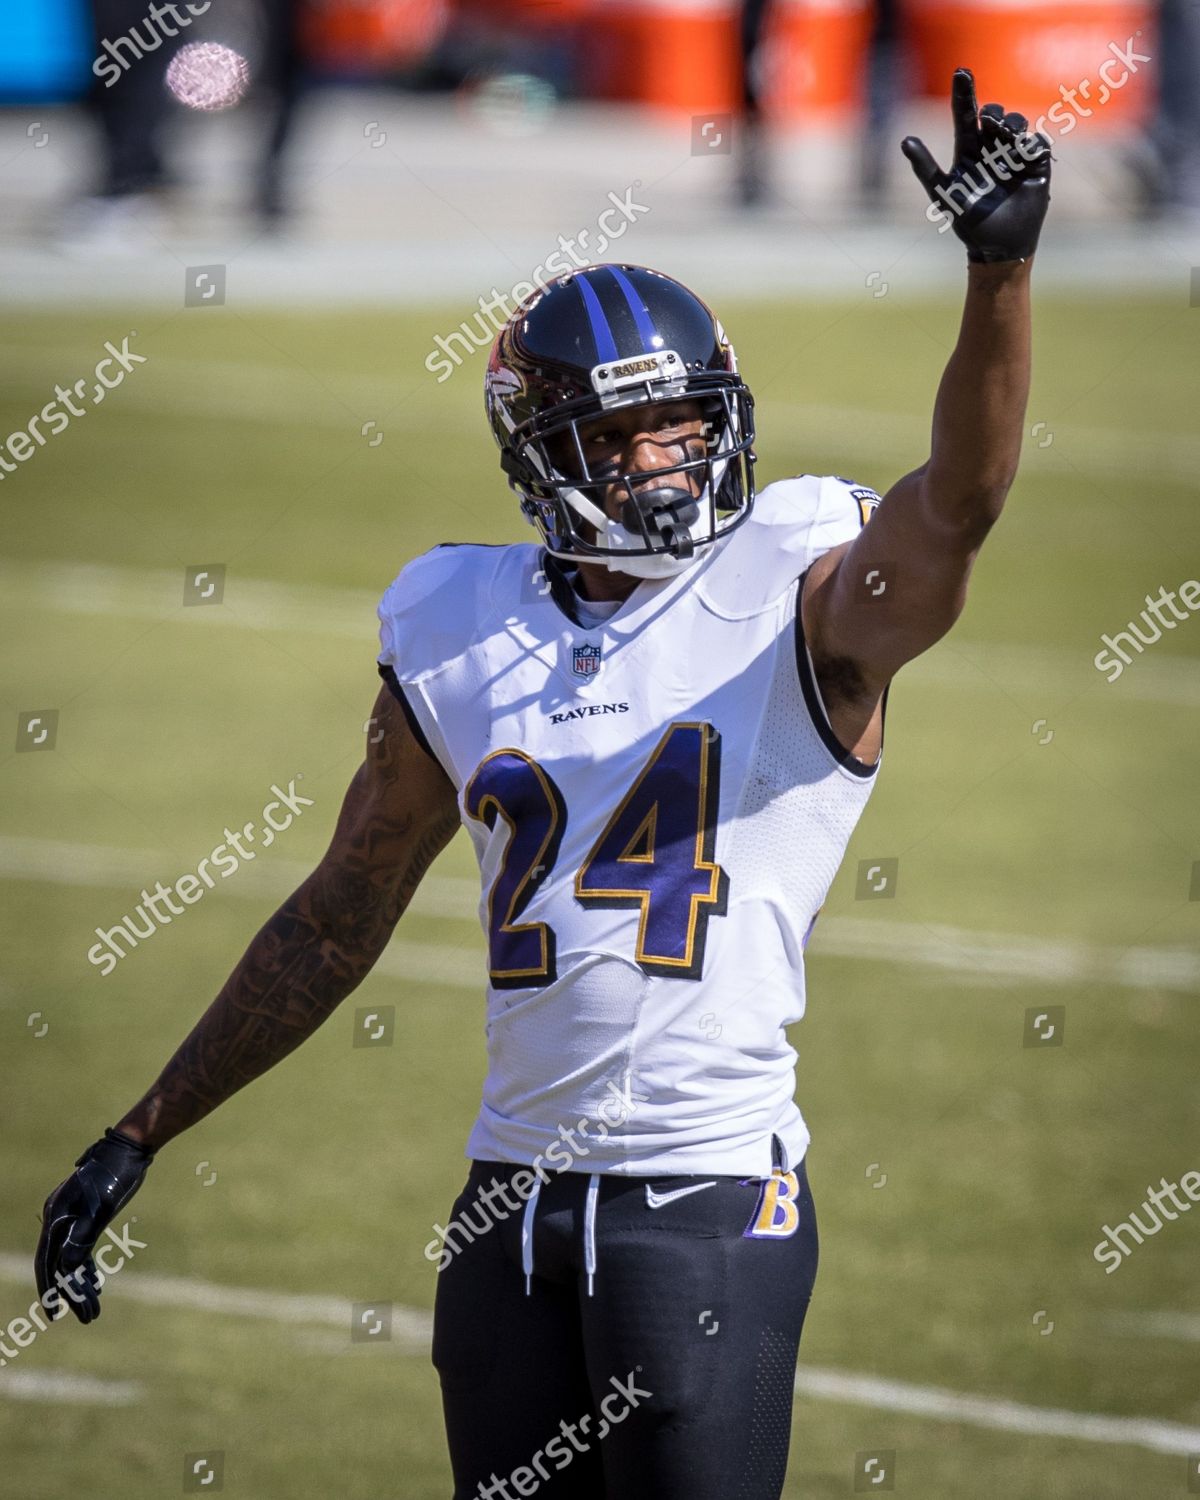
<point x="367" y="35"/>
<point x="683" y="55"/>
<point x="667" y="56"/>
<point x="815" y="57"/>
<point x="1026" y="55"/>
<point x="527" y="15"/>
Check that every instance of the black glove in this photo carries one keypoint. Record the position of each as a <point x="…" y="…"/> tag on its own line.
<point x="76" y="1214"/>
<point x="997" y="200"/>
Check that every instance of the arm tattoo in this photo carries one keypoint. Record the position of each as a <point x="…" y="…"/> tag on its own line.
<point x="315" y="950"/>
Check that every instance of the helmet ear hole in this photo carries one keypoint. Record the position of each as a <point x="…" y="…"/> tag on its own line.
<point x="516" y="469"/>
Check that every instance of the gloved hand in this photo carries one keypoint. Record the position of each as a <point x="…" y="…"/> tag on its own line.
<point x="998" y="186"/>
<point x="76" y="1214"/>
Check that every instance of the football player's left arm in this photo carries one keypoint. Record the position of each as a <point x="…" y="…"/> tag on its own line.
<point x="874" y="604"/>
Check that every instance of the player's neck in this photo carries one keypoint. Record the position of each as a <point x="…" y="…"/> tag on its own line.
<point x="602" y="584"/>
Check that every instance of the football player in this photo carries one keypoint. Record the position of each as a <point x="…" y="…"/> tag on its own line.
<point x="659" y="724"/>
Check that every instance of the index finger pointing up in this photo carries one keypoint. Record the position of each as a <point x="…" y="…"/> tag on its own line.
<point x="966" y="114"/>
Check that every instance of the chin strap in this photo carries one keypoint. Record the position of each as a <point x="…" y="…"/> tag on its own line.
<point x="667" y="512"/>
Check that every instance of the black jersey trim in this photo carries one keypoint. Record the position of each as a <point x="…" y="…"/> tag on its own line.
<point x="388" y="673"/>
<point x="816" y="709"/>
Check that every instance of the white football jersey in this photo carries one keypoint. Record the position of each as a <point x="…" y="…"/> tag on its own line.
<point x="658" y="805"/>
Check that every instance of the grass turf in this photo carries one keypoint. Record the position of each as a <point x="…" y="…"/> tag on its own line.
<point x="239" y="441"/>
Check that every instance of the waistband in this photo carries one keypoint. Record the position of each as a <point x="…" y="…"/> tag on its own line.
<point x="599" y="1184"/>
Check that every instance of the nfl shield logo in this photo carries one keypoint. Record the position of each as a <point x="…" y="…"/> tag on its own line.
<point x="585" y="660"/>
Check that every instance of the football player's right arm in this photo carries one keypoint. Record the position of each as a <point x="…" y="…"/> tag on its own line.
<point x="399" y="813"/>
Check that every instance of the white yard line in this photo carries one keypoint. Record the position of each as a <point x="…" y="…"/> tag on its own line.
<point x="1008" y="956"/>
<point x="414" y="1327"/>
<point x="76" y="588"/>
<point x="1027" y="673"/>
<point x="435" y="963"/>
<point x="988" y="1411"/>
<point x="339" y="400"/>
<point x="154" y="1290"/>
<point x="59" y="862"/>
<point x="62" y="1389"/>
<point x="984" y="956"/>
<point x="1183" y="1328"/>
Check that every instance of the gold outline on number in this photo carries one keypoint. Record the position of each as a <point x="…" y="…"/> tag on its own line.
<point x="702" y="859"/>
<point x="555" y="803"/>
<point x="651" y="833"/>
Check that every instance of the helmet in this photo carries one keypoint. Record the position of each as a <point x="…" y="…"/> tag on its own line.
<point x="589" y="343"/>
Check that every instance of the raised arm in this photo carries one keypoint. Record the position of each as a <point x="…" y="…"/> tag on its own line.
<point x="399" y="813"/>
<point x="874" y="604"/>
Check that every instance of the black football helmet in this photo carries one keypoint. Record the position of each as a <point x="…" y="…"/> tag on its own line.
<point x="588" y="343"/>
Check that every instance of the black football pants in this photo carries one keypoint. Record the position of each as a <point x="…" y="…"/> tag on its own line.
<point x="671" y="1381"/>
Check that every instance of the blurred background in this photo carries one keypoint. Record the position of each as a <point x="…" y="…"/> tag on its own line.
<point x="331" y="129"/>
<point x="251" y="259"/>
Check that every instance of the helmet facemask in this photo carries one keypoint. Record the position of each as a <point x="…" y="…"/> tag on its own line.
<point x="664" y="515"/>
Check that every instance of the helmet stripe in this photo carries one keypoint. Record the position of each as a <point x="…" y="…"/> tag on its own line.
<point x="606" y="346"/>
<point x="641" y="313"/>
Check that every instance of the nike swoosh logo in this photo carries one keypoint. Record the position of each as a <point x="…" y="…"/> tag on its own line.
<point x="660" y="1200"/>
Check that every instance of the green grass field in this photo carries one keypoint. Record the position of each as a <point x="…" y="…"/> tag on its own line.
<point x="239" y="443"/>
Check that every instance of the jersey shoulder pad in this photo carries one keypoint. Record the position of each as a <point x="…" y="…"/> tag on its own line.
<point x="794" y="521"/>
<point x="429" y="614"/>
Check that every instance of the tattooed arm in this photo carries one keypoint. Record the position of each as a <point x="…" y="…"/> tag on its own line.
<point x="399" y="813"/>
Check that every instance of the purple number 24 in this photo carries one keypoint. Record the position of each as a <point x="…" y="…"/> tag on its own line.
<point x="654" y="855"/>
